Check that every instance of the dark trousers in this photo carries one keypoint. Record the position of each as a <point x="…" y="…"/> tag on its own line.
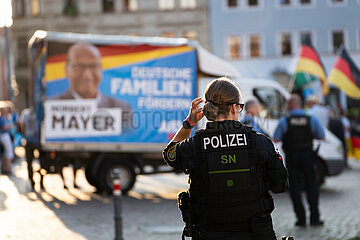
<point x="29" y="151"/>
<point x="224" y="236"/>
<point x="260" y="228"/>
<point x="303" y="163"/>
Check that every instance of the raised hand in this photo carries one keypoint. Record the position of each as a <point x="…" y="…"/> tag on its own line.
<point x="195" y="113"/>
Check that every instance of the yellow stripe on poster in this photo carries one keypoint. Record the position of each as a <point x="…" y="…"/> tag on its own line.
<point x="344" y="83"/>
<point x="55" y="71"/>
<point x="311" y="67"/>
<point x="120" y="60"/>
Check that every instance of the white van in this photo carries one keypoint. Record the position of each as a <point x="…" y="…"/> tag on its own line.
<point x="272" y="98"/>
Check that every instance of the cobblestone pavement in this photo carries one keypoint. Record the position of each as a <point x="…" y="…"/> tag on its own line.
<point x="150" y="210"/>
<point x="339" y="207"/>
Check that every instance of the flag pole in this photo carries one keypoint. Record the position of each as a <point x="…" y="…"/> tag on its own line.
<point x="291" y="83"/>
<point x="293" y="68"/>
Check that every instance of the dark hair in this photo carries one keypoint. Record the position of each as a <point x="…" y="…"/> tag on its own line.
<point x="219" y="94"/>
<point x="249" y="104"/>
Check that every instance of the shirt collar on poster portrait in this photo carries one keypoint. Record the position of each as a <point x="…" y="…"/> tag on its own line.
<point x="77" y="96"/>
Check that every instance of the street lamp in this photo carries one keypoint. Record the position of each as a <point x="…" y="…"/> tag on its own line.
<point x="6" y="21"/>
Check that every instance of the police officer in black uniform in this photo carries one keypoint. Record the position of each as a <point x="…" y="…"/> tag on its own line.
<point x="297" y="132"/>
<point x="231" y="169"/>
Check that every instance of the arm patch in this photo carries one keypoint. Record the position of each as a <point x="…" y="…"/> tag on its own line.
<point x="171" y="153"/>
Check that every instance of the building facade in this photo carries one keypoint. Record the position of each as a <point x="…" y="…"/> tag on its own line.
<point x="167" y="18"/>
<point x="261" y="37"/>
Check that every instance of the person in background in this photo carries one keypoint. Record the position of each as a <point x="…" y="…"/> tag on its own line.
<point x="23" y="119"/>
<point x="297" y="132"/>
<point x="252" y="110"/>
<point x="230" y="182"/>
<point x="8" y="151"/>
<point x="317" y="110"/>
<point x="29" y="146"/>
<point x="336" y="127"/>
<point x="347" y="134"/>
<point x="14" y="119"/>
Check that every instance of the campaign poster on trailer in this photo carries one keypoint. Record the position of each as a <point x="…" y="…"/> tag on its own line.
<point x="117" y="93"/>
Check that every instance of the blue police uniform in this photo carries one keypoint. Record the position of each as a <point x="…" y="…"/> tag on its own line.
<point x="231" y="170"/>
<point x="297" y="132"/>
<point x="249" y="120"/>
<point x="3" y="123"/>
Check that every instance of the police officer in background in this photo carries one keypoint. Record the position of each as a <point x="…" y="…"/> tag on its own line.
<point x="252" y="111"/>
<point x="297" y="132"/>
<point x="231" y="169"/>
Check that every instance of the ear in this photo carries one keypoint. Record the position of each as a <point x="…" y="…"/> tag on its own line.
<point x="233" y="109"/>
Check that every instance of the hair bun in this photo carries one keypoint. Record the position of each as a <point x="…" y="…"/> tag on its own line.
<point x="211" y="101"/>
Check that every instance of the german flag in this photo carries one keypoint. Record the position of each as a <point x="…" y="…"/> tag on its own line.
<point x="355" y="151"/>
<point x="310" y="68"/>
<point x="345" y="74"/>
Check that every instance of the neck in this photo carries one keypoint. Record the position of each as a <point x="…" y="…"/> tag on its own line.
<point x="222" y="118"/>
<point x="89" y="96"/>
<point x="78" y="95"/>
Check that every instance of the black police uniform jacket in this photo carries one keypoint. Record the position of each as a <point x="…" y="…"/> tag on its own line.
<point x="231" y="170"/>
<point x="298" y="137"/>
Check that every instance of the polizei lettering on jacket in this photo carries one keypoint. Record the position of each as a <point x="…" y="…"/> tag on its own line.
<point x="228" y="140"/>
<point x="299" y="121"/>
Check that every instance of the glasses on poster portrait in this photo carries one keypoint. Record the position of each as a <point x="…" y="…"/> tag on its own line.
<point x="237" y="104"/>
<point x="78" y="67"/>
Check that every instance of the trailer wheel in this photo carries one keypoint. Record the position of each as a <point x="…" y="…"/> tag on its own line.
<point x="127" y="175"/>
<point x="89" y="176"/>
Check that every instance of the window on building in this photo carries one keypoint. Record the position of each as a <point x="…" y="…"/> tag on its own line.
<point x="166" y="5"/>
<point x="337" y="1"/>
<point x="234" y="46"/>
<point x="254" y="45"/>
<point x="286" y="44"/>
<point x="70" y="8"/>
<point x="306" y="37"/>
<point x="187" y="4"/>
<point x="108" y="6"/>
<point x="253" y="3"/>
<point x="338" y="40"/>
<point x="232" y="3"/>
<point x="131" y="5"/>
<point x="285" y="2"/>
<point x="191" y="34"/>
<point x="22" y="43"/>
<point x="35" y="7"/>
<point x="169" y="34"/>
<point x="20" y="8"/>
<point x="304" y="2"/>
